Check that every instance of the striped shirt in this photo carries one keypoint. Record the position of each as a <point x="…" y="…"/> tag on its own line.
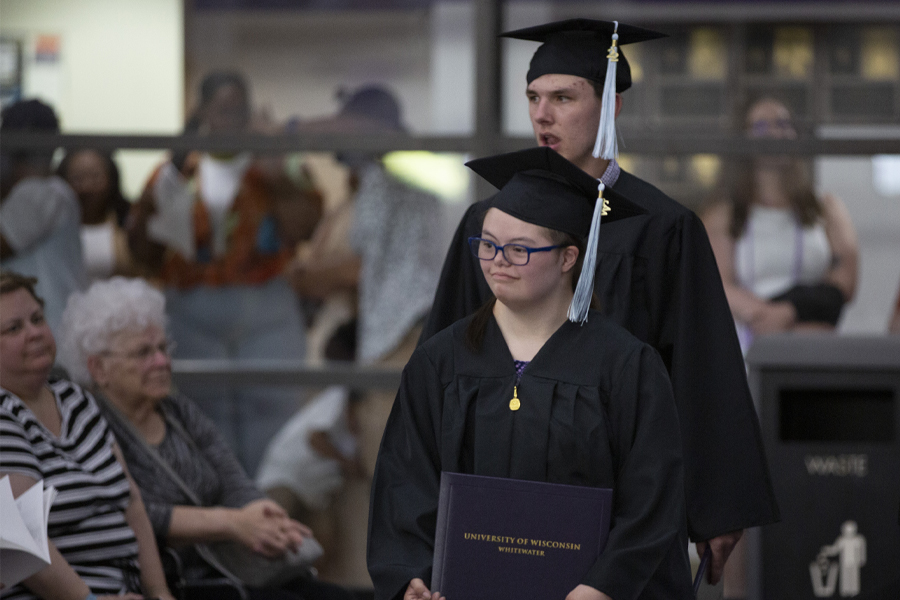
<point x="87" y="520"/>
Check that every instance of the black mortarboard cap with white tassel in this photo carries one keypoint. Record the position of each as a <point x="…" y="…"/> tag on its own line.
<point x="607" y="146"/>
<point x="591" y="49"/>
<point x="541" y="187"/>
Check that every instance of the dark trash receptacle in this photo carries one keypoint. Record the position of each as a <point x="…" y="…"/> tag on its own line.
<point x="830" y="418"/>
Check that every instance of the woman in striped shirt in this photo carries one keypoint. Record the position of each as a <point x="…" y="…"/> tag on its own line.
<point x="101" y="541"/>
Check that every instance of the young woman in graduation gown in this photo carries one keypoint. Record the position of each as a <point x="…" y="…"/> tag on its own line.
<point x="595" y="404"/>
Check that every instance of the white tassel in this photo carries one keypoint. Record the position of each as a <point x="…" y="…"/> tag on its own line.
<point x="607" y="146"/>
<point x="584" y="291"/>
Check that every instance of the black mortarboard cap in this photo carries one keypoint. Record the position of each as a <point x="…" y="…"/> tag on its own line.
<point x="579" y="47"/>
<point x="541" y="187"/>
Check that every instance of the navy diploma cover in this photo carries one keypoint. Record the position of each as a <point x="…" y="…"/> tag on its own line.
<point x="508" y="538"/>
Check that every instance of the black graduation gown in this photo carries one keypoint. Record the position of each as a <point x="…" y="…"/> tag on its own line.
<point x="596" y="410"/>
<point x="657" y="277"/>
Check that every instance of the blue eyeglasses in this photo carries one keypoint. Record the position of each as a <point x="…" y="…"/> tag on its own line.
<point x="515" y="254"/>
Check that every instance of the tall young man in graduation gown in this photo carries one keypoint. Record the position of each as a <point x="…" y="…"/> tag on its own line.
<point x="656" y="276"/>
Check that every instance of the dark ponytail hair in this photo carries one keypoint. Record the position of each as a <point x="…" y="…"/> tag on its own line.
<point x="478" y="325"/>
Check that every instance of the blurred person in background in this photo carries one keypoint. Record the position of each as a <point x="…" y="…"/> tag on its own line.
<point x="39" y="214"/>
<point x="390" y="260"/>
<point x="100" y="538"/>
<point x="114" y="337"/>
<point x="94" y="177"/>
<point x="788" y="257"/>
<point x="219" y="228"/>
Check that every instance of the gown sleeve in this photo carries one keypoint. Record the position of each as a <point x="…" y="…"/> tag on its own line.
<point x="648" y="500"/>
<point x="461" y="289"/>
<point x="720" y="429"/>
<point x="406" y="484"/>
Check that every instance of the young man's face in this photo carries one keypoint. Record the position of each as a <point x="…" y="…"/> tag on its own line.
<point x="565" y="114"/>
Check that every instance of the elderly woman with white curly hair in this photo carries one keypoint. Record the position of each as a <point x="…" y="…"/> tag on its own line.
<point x="196" y="492"/>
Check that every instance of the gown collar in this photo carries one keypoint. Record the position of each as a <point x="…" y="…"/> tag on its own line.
<point x="495" y="359"/>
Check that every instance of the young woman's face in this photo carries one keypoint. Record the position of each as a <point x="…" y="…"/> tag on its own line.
<point x="546" y="274"/>
<point x="89" y="178"/>
<point x="769" y="118"/>
<point x="26" y="343"/>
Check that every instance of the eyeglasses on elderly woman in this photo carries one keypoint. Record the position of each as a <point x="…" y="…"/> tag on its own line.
<point x="146" y="352"/>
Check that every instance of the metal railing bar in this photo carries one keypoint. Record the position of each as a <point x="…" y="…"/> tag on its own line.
<point x="282" y="372"/>
<point x="735" y="12"/>
<point x="653" y="144"/>
<point x="256" y="143"/>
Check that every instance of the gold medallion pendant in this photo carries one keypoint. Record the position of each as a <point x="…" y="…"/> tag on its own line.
<point x="514" y="404"/>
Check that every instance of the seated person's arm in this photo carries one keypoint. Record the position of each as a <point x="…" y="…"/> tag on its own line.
<point x="820" y="303"/>
<point x="243" y="514"/>
<point x="237" y="488"/>
<point x="844" y="246"/>
<point x="745" y="306"/>
<point x="262" y="526"/>
<point x="58" y="580"/>
<point x="152" y="576"/>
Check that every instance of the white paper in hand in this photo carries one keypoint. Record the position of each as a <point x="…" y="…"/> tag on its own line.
<point x="173" y="223"/>
<point x="24" y="548"/>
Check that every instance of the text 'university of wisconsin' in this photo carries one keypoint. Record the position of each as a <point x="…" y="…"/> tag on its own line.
<point x="481" y="537"/>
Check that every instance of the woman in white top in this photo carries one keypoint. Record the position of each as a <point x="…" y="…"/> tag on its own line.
<point x="94" y="177"/>
<point x="788" y="258"/>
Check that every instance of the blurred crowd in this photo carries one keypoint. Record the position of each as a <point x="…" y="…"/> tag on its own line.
<point x="236" y="257"/>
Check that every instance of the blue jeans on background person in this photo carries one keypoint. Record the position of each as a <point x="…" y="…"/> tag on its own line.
<point x="240" y="323"/>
